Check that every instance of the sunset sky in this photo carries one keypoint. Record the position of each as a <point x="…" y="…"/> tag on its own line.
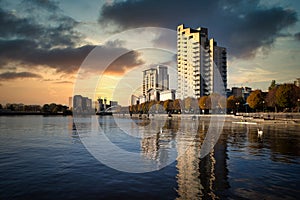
<point x="52" y="49"/>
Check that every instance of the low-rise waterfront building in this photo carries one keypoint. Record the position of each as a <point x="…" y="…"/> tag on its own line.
<point x="167" y="95"/>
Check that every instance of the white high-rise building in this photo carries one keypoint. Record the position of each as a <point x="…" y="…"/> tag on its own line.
<point x="202" y="65"/>
<point x="162" y="77"/>
<point x="155" y="78"/>
<point x="149" y="80"/>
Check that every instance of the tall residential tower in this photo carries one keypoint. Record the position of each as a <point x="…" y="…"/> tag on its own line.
<point x="155" y="78"/>
<point x="202" y="65"/>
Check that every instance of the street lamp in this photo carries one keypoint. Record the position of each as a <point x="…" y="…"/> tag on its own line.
<point x="237" y="106"/>
<point x="298" y="101"/>
<point x="263" y="106"/>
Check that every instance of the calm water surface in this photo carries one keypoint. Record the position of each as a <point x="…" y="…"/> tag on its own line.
<point x="43" y="158"/>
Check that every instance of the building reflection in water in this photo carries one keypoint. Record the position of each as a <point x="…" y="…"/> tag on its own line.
<point x="200" y="178"/>
<point x="160" y="145"/>
<point x="165" y="141"/>
<point x="197" y="178"/>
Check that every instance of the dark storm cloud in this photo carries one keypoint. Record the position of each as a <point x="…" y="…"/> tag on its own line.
<point x="67" y="60"/>
<point x="43" y="36"/>
<point x="27" y="53"/>
<point x="26" y="40"/>
<point x="243" y="26"/>
<point x="70" y="59"/>
<point x="125" y="62"/>
<point x="59" y="32"/>
<point x="17" y="75"/>
<point x="12" y="26"/>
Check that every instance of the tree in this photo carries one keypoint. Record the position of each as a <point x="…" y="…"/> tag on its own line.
<point x="139" y="108"/>
<point x="271" y="98"/>
<point x="255" y="99"/>
<point x="231" y="102"/>
<point x="142" y="108"/>
<point x="159" y="106"/>
<point x="146" y="107"/>
<point x="151" y="106"/>
<point x="194" y="106"/>
<point x="134" y="109"/>
<point x="201" y="102"/>
<point x="273" y="85"/>
<point x="168" y="105"/>
<point x="204" y="102"/>
<point x="177" y="105"/>
<point x="53" y="108"/>
<point x="1" y="106"/>
<point x="188" y="103"/>
<point x="235" y="104"/>
<point x="46" y="108"/>
<point x="287" y="95"/>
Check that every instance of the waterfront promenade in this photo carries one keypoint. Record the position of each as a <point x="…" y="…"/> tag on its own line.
<point x="284" y="118"/>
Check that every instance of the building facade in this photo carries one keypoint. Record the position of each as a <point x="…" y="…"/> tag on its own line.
<point x="167" y="95"/>
<point x="82" y="104"/>
<point x="237" y="91"/>
<point x="103" y="106"/>
<point x="162" y="78"/>
<point x="202" y="65"/>
<point x="155" y="78"/>
<point x="149" y="80"/>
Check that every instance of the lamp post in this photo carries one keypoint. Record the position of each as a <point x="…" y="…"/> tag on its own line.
<point x="237" y="106"/>
<point x="298" y="101"/>
<point x="263" y="106"/>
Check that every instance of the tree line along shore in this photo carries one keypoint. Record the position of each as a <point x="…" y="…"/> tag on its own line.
<point x="279" y="98"/>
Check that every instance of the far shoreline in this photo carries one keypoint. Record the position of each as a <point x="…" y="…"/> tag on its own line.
<point x="20" y="113"/>
<point x="242" y="118"/>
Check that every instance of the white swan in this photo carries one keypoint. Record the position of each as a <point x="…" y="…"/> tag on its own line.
<point x="259" y="132"/>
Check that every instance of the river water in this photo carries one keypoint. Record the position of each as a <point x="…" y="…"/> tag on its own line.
<point x="44" y="158"/>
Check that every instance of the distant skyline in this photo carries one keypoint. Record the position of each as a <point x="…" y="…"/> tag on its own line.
<point x="44" y="42"/>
